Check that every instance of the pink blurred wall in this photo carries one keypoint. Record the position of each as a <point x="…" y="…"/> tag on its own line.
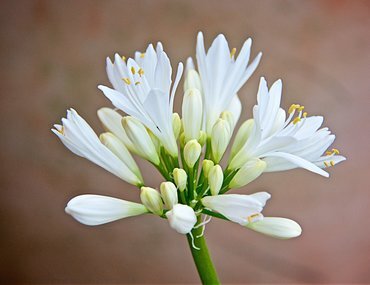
<point x="52" y="57"/>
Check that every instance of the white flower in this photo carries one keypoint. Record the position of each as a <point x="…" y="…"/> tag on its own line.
<point x="192" y="114"/>
<point x="222" y="75"/>
<point x="241" y="209"/>
<point x="181" y="218"/>
<point x="215" y="179"/>
<point x="169" y="194"/>
<point x="277" y="227"/>
<point x="286" y="143"/>
<point x="79" y="137"/>
<point x="95" y="210"/>
<point x="142" y="87"/>
<point x="252" y="169"/>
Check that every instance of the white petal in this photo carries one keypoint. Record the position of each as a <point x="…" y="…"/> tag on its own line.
<point x="277" y="227"/>
<point x="95" y="210"/>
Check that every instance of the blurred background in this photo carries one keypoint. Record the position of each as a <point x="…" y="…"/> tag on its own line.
<point x="52" y="57"/>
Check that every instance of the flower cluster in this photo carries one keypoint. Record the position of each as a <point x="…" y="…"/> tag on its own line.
<point x="187" y="150"/>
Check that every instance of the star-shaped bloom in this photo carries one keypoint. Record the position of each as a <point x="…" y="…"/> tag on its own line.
<point x="142" y="87"/>
<point x="285" y="143"/>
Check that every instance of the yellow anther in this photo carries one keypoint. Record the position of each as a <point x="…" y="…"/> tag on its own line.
<point x="332" y="162"/>
<point x="328" y="152"/>
<point x="126" y="80"/>
<point x="336" y="151"/>
<point x="326" y="164"/>
<point x="251" y="217"/>
<point x="304" y="115"/>
<point x="141" y="72"/>
<point x="232" y="53"/>
<point x="296" y="120"/>
<point x="123" y="58"/>
<point x="61" y="131"/>
<point x="292" y="108"/>
<point x="137" y="82"/>
<point x="133" y="70"/>
<point x="300" y="108"/>
<point x="142" y="55"/>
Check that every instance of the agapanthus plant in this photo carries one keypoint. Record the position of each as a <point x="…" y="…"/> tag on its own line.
<point x="187" y="150"/>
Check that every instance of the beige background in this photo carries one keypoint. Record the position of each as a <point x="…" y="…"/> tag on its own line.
<point x="52" y="57"/>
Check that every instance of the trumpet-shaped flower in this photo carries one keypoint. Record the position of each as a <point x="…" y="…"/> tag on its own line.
<point x="142" y="86"/>
<point x="286" y="143"/>
<point x="241" y="209"/>
<point x="181" y="218"/>
<point x="277" y="227"/>
<point x="95" y="210"/>
<point x="222" y="75"/>
<point x="79" y="137"/>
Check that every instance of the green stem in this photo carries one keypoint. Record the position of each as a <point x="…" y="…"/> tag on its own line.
<point x="202" y="258"/>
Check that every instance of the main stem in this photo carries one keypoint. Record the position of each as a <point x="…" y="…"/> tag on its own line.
<point x="202" y="258"/>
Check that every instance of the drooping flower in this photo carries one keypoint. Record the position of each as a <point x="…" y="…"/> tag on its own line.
<point x="222" y="75"/>
<point x="95" y="210"/>
<point x="142" y="86"/>
<point x="79" y="137"/>
<point x="285" y="143"/>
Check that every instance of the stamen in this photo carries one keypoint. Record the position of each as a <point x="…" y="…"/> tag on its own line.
<point x="232" y="53"/>
<point x="336" y="151"/>
<point x="192" y="242"/>
<point x="293" y="107"/>
<point x="142" y="55"/>
<point x="251" y="217"/>
<point x="133" y="71"/>
<point x="326" y="164"/>
<point x="304" y="115"/>
<point x="328" y="152"/>
<point x="296" y="120"/>
<point x="123" y="58"/>
<point x="332" y="162"/>
<point x="300" y="108"/>
<point x="126" y="80"/>
<point x="141" y="72"/>
<point x="61" y="131"/>
<point x="137" y="82"/>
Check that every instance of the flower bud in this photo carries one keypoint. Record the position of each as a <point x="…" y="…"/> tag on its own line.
<point x="169" y="194"/>
<point x="111" y="121"/>
<point x="202" y="138"/>
<point x="155" y="140"/>
<point x="118" y="148"/>
<point x="192" y="114"/>
<point x="228" y="117"/>
<point x="192" y="80"/>
<point x="181" y="218"/>
<point x="241" y="137"/>
<point x="176" y="125"/>
<point x="277" y="227"/>
<point x="215" y="179"/>
<point x="220" y="138"/>
<point x="192" y="152"/>
<point x="141" y="139"/>
<point x="249" y="171"/>
<point x="207" y="165"/>
<point x="180" y="177"/>
<point x="152" y="200"/>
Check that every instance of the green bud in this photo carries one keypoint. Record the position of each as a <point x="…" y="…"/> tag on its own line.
<point x="220" y="138"/>
<point x="241" y="137"/>
<point x="215" y="179"/>
<point x="207" y="165"/>
<point x="180" y="177"/>
<point x="192" y="114"/>
<point x="152" y="200"/>
<point x="192" y="152"/>
<point x="176" y="125"/>
<point x="249" y="172"/>
<point x="169" y="194"/>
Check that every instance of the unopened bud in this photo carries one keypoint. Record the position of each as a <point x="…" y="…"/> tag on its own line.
<point x="281" y="228"/>
<point x="241" y="137"/>
<point x="215" y="179"/>
<point x="202" y="138"/>
<point x="152" y="200"/>
<point x="176" y="125"/>
<point x="192" y="80"/>
<point x="228" y="117"/>
<point x="220" y="139"/>
<point x="249" y="172"/>
<point x="192" y="114"/>
<point x="111" y="121"/>
<point x="118" y="148"/>
<point x="181" y="218"/>
<point x="141" y="139"/>
<point x="192" y="152"/>
<point x="206" y="166"/>
<point x="155" y="140"/>
<point x="180" y="177"/>
<point x="169" y="194"/>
